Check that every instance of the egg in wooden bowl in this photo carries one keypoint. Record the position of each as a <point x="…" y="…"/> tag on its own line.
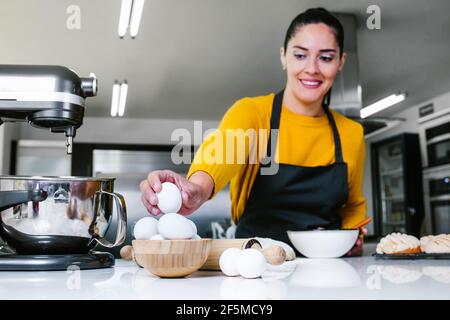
<point x="171" y="258"/>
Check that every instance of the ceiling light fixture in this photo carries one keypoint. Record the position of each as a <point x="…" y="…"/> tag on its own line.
<point x="136" y="14"/>
<point x="382" y="104"/>
<point x="115" y="99"/>
<point x="130" y="17"/>
<point x="124" y="20"/>
<point x="123" y="98"/>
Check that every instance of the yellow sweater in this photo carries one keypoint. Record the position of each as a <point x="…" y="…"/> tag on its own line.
<point x="302" y="141"/>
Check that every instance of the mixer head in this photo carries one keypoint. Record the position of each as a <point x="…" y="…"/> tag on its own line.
<point x="51" y="97"/>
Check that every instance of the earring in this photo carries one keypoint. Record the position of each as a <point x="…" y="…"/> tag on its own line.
<point x="284" y="67"/>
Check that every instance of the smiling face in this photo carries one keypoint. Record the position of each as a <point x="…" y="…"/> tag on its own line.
<point x="312" y="62"/>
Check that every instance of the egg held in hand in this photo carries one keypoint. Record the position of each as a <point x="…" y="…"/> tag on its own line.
<point x="228" y="261"/>
<point x="251" y="263"/>
<point x="169" y="198"/>
<point x="145" y="228"/>
<point x="173" y="226"/>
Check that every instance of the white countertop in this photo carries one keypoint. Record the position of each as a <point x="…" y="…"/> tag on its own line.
<point x="350" y="278"/>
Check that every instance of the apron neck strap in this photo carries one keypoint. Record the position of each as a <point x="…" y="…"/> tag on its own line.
<point x="337" y="138"/>
<point x="275" y="124"/>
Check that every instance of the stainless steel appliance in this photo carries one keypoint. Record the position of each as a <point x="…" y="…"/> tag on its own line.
<point x="51" y="97"/>
<point x="435" y="135"/>
<point x="50" y="223"/>
<point x="438" y="144"/>
<point x="58" y="215"/>
<point x="437" y="195"/>
<point x="397" y="185"/>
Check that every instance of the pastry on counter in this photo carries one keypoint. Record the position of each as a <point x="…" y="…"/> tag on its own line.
<point x="398" y="243"/>
<point x="435" y="244"/>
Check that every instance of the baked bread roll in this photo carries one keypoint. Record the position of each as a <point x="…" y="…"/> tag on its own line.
<point x="435" y="244"/>
<point x="398" y="243"/>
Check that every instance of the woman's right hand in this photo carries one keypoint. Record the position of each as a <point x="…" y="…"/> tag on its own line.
<point x="194" y="192"/>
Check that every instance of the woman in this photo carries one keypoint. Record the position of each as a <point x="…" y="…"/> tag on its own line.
<point x="320" y="153"/>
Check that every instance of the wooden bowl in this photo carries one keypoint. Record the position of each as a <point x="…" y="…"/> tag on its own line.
<point x="171" y="258"/>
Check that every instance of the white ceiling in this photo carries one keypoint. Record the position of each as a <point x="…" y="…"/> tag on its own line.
<point x="193" y="58"/>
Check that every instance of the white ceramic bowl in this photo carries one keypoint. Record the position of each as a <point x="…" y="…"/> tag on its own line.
<point x="323" y="243"/>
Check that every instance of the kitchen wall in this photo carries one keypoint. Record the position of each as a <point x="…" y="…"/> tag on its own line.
<point x="410" y="125"/>
<point x="120" y="130"/>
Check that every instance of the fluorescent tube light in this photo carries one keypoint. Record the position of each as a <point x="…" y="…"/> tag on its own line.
<point x="115" y="99"/>
<point x="123" y="98"/>
<point x="124" y="20"/>
<point x="136" y="14"/>
<point x="382" y="104"/>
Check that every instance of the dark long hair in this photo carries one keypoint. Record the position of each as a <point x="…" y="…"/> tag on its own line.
<point x="317" y="15"/>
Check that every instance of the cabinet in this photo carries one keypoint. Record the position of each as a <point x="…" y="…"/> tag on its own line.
<point x="397" y="185"/>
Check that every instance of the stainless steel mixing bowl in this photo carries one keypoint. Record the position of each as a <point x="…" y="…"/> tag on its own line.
<point x="59" y="215"/>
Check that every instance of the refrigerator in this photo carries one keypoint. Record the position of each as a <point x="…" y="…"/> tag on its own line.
<point x="397" y="185"/>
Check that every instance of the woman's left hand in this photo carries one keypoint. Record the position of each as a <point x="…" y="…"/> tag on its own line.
<point x="357" y="249"/>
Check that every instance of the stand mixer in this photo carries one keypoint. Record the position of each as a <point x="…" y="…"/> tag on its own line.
<point x="38" y="215"/>
<point x="51" y="97"/>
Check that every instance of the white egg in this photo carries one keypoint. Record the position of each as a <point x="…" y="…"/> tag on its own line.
<point x="145" y="228"/>
<point x="174" y="226"/>
<point x="157" y="237"/>
<point x="251" y="263"/>
<point x="193" y="226"/>
<point x="228" y="261"/>
<point x="196" y="237"/>
<point x="169" y="198"/>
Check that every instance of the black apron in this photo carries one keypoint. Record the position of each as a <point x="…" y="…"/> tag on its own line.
<point x="295" y="198"/>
